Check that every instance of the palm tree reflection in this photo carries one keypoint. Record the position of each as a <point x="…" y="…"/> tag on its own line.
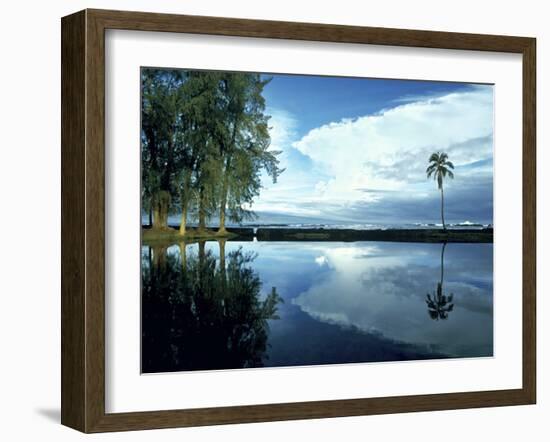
<point x="200" y="314"/>
<point x="440" y="305"/>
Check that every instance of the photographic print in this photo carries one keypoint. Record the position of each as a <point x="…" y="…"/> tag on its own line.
<point x="302" y="220"/>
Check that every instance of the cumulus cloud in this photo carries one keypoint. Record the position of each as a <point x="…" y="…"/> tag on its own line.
<point x="372" y="168"/>
<point x="389" y="150"/>
<point x="390" y="296"/>
<point x="297" y="183"/>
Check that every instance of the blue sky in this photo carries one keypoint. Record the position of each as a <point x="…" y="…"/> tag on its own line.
<point x="356" y="150"/>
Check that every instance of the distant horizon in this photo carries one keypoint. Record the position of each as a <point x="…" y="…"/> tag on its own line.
<point x="276" y="219"/>
<point x="356" y="150"/>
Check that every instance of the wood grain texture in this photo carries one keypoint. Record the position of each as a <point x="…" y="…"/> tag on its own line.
<point x="144" y="21"/>
<point x="83" y="220"/>
<point x="529" y="220"/>
<point x="95" y="222"/>
<point x="308" y="410"/>
<point x="73" y="256"/>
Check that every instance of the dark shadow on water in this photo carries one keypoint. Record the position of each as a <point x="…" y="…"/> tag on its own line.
<point x="203" y="313"/>
<point x="51" y="414"/>
<point x="204" y="306"/>
<point x="439" y="304"/>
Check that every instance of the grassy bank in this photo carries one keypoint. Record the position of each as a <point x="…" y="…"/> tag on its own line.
<point x="172" y="235"/>
<point x="399" y="235"/>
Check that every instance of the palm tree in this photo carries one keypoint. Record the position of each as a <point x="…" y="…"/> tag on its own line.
<point x="440" y="167"/>
<point x="439" y="305"/>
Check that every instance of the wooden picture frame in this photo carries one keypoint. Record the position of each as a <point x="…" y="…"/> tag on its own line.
<point x="83" y="220"/>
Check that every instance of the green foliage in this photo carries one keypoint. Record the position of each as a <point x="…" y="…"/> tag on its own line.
<point x="440" y="167"/>
<point x="161" y="122"/>
<point x="199" y="313"/>
<point x="243" y="141"/>
<point x="205" y="139"/>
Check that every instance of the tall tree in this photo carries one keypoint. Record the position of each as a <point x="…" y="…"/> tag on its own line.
<point x="149" y="144"/>
<point x="201" y="112"/>
<point x="205" y="144"/>
<point x="242" y="135"/>
<point x="440" y="167"/>
<point x="160" y="125"/>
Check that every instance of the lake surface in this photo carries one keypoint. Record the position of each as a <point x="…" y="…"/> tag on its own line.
<point x="266" y="304"/>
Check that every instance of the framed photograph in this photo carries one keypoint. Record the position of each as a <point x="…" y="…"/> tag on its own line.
<point x="267" y="220"/>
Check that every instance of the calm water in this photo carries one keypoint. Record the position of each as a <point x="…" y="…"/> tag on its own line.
<point x="305" y="303"/>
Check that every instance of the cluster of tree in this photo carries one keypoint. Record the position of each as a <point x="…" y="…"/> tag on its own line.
<point x="204" y="140"/>
<point x="200" y="313"/>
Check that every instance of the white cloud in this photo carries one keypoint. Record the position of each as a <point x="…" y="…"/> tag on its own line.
<point x="321" y="260"/>
<point x="296" y="184"/>
<point x="389" y="151"/>
<point x="373" y="167"/>
<point x="383" y="289"/>
<point x="282" y="130"/>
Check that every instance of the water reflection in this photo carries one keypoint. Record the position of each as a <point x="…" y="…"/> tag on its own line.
<point x="205" y="306"/>
<point x="440" y="305"/>
<point x="199" y="313"/>
<point x="378" y="288"/>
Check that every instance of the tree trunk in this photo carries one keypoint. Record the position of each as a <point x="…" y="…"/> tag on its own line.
<point x="442" y="266"/>
<point x="221" y="244"/>
<point x="223" y="203"/>
<point x="184" y="197"/>
<point x="159" y="258"/>
<point x="183" y="256"/>
<point x="183" y="223"/>
<point x="164" y="216"/>
<point x="161" y="205"/>
<point x="151" y="216"/>
<point x="202" y="211"/>
<point x="156" y="217"/>
<point x="202" y="253"/>
<point x="442" y="210"/>
<point x="221" y="230"/>
<point x="223" y="274"/>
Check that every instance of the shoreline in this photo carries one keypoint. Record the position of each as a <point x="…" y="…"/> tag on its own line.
<point x="394" y="235"/>
<point x="456" y="235"/>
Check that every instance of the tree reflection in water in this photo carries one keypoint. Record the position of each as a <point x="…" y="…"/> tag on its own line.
<point x="201" y="314"/>
<point x="440" y="305"/>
